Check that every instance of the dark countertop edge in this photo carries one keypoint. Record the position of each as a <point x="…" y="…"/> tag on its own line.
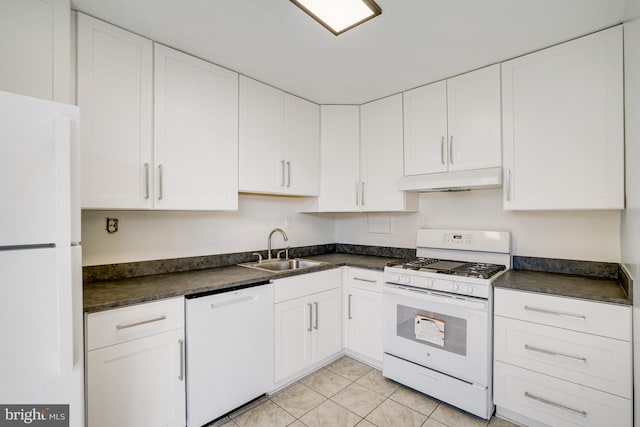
<point x="228" y="285"/>
<point x="628" y="301"/>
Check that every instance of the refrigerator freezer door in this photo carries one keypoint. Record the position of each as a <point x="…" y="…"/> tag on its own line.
<point x="35" y="140"/>
<point x="36" y="362"/>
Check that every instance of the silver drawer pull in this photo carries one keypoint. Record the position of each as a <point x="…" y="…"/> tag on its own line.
<point x="146" y="181"/>
<point x="310" y="317"/>
<point x="181" y="344"/>
<point x="442" y="150"/>
<point x="555" y="313"/>
<point x="554" y="404"/>
<point x="364" y="280"/>
<point x="143" y="322"/>
<point x="553" y="353"/>
<point x="349" y="307"/>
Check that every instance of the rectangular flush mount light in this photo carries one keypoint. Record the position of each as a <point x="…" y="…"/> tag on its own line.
<point x="339" y="16"/>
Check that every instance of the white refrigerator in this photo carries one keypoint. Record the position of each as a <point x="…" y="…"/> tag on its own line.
<point x="41" y="338"/>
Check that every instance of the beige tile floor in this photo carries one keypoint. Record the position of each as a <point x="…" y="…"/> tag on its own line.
<point x="348" y="393"/>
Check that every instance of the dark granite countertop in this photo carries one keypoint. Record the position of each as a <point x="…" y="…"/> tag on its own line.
<point x="567" y="285"/>
<point x="105" y="295"/>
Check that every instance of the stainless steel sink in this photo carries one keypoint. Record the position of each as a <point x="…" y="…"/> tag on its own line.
<point x="283" y="264"/>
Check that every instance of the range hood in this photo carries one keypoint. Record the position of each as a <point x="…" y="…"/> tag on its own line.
<point x="452" y="181"/>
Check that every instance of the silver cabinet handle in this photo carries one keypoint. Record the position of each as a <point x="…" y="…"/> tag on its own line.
<point x="282" y="180"/>
<point x="554" y="353"/>
<point x="442" y="150"/>
<point x="555" y="313"/>
<point x="451" y="150"/>
<point x="316" y="305"/>
<point x="349" y="307"/>
<point x="364" y="280"/>
<point x="357" y="200"/>
<point x="508" y="185"/>
<point x="362" y="198"/>
<point x="181" y="344"/>
<point x="146" y="181"/>
<point x="160" y="182"/>
<point x="288" y="174"/>
<point x="554" y="404"/>
<point x="310" y="317"/>
<point x="143" y="322"/>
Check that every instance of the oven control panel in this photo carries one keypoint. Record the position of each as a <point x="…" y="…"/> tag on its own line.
<point x="459" y="239"/>
<point x="479" y="289"/>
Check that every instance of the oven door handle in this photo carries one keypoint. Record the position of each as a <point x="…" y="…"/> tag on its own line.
<point x="436" y="297"/>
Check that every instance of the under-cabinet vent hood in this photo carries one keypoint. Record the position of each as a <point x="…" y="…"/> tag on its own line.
<point x="452" y="181"/>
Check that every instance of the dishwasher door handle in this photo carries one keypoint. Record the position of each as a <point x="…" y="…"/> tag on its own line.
<point x="234" y="301"/>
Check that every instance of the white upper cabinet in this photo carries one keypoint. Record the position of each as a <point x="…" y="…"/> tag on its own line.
<point x="340" y="163"/>
<point x="115" y="93"/>
<point x="154" y="136"/>
<point x="453" y="125"/>
<point x="361" y="152"/>
<point x="196" y="133"/>
<point x="381" y="157"/>
<point x="36" y="48"/>
<point x="563" y="126"/>
<point x="279" y="141"/>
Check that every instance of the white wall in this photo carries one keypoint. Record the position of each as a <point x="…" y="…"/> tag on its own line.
<point x="150" y="235"/>
<point x="630" y="221"/>
<point x="583" y="235"/>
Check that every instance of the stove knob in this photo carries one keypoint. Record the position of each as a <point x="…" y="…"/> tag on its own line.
<point x="429" y="283"/>
<point x="469" y="289"/>
<point x="395" y="278"/>
<point x="454" y="287"/>
<point x="406" y="280"/>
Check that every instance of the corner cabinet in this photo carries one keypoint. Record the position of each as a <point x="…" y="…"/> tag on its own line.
<point x="157" y="133"/>
<point x="453" y="125"/>
<point x="36" y="50"/>
<point x="363" y="322"/>
<point x="279" y="141"/>
<point x="361" y="150"/>
<point x="563" y="126"/>
<point x="135" y="366"/>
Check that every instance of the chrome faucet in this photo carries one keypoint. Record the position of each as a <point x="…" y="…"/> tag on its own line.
<point x="284" y="235"/>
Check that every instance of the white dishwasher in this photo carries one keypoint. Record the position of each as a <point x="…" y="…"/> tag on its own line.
<point x="229" y="350"/>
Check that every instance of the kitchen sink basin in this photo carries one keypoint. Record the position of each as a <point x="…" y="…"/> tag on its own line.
<point x="283" y="264"/>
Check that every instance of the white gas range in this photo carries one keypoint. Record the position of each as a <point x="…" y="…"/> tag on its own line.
<point x="438" y="316"/>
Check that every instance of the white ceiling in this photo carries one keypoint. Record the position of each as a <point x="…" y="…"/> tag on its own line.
<point x="412" y="43"/>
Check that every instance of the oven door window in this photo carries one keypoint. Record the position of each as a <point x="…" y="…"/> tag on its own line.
<point x="432" y="329"/>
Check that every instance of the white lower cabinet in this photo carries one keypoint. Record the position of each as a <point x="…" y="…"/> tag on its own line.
<point x="135" y="366"/>
<point x="363" y="322"/>
<point x="561" y="361"/>
<point x="308" y="328"/>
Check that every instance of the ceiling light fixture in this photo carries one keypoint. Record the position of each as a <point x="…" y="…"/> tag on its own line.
<point x="339" y="16"/>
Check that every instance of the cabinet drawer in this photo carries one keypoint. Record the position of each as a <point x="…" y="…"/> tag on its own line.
<point x="594" y="361"/>
<point x="306" y="284"/>
<point x="364" y="279"/>
<point x="124" y="324"/>
<point x="609" y="320"/>
<point x="556" y="402"/>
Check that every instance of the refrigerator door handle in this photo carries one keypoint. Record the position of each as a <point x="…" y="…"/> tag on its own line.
<point x="65" y="313"/>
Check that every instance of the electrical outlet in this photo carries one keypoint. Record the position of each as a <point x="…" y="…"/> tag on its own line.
<point x="288" y="222"/>
<point x="424" y="222"/>
<point x="112" y="225"/>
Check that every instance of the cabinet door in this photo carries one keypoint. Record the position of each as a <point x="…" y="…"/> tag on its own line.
<point x="364" y="323"/>
<point x="35" y="50"/>
<point x="563" y="126"/>
<point x="425" y="129"/>
<point x="340" y="140"/>
<point x="327" y="325"/>
<point x="293" y="326"/>
<point x="301" y="146"/>
<point x="115" y="95"/>
<point x="196" y="133"/>
<point x="138" y="383"/>
<point x="262" y="166"/>
<point x="473" y="105"/>
<point x="381" y="163"/>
